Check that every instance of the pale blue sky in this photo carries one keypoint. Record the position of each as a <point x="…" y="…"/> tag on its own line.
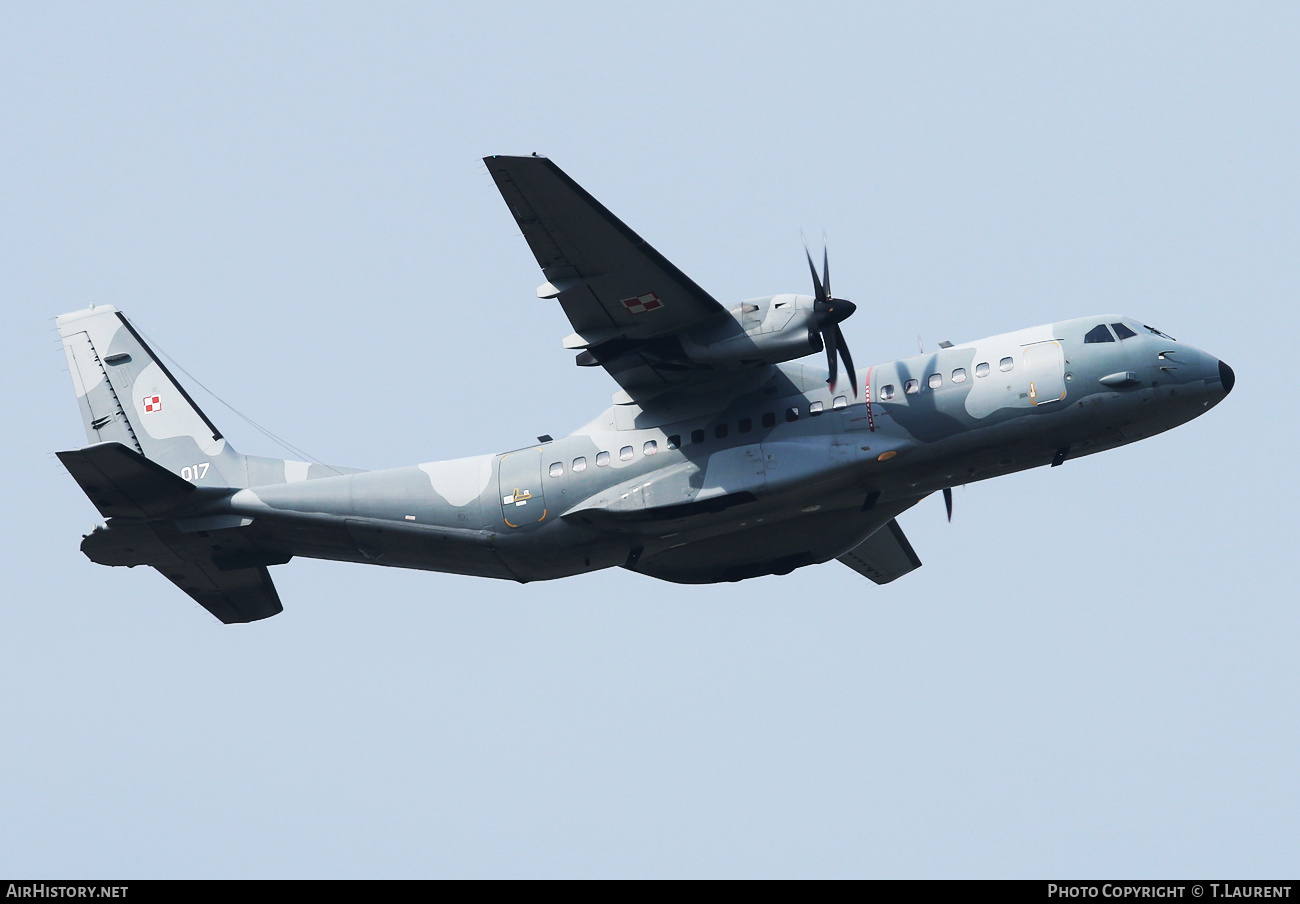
<point x="1095" y="672"/>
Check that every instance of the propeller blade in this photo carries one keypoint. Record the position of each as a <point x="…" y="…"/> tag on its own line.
<point x="848" y="360"/>
<point x="828" y="313"/>
<point x="947" y="502"/>
<point x="826" y="266"/>
<point x="832" y="339"/>
<point x="821" y="293"/>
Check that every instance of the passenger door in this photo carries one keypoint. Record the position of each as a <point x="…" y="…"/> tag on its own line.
<point x="523" y="501"/>
<point x="1045" y="370"/>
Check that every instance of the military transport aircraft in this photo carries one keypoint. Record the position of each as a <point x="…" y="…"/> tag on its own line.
<point x="719" y="459"/>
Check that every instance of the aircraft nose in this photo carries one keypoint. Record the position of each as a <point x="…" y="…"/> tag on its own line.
<point x="1227" y="376"/>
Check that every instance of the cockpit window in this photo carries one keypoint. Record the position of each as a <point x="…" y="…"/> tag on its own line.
<point x="1098" y="333"/>
<point x="1122" y="331"/>
<point x="1158" y="333"/>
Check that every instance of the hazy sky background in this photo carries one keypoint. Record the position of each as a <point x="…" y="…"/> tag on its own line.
<point x="1095" y="672"/>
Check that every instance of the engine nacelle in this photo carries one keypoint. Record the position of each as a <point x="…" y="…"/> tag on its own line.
<point x="771" y="330"/>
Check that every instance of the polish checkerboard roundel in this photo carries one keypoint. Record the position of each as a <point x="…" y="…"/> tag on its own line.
<point x="642" y="303"/>
<point x="152" y="403"/>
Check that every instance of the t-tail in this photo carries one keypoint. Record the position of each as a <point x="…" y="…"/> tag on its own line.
<point x="156" y="462"/>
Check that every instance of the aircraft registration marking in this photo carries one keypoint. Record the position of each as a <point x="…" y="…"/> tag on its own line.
<point x="195" y="472"/>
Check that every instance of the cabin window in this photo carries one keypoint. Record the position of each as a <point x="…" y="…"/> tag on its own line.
<point x="911" y="387"/>
<point x="675" y="441"/>
<point x="697" y="437"/>
<point x="625" y="454"/>
<point x="557" y="469"/>
<point x="791" y="415"/>
<point x="959" y="375"/>
<point x="886" y="392"/>
<point x="1122" y="331"/>
<point x="935" y="381"/>
<point x="842" y="402"/>
<point x="602" y="459"/>
<point x="650" y="448"/>
<point x="720" y="431"/>
<point x="769" y="419"/>
<point x="1006" y="364"/>
<point x="746" y="425"/>
<point x="982" y="369"/>
<point x="580" y="464"/>
<point x="815" y="409"/>
<point x="1098" y="333"/>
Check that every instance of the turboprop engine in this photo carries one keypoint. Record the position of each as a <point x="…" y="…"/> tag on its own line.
<point x="773" y="329"/>
<point x="780" y="328"/>
<point x="759" y="331"/>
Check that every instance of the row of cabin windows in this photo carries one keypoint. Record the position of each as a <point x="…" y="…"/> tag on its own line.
<point x="934" y="381"/>
<point x="745" y="425"/>
<point x="720" y="431"/>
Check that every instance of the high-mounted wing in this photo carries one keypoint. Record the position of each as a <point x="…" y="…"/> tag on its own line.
<point x="626" y="301"/>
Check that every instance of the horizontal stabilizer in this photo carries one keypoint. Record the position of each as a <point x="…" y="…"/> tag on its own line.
<point x="884" y="556"/>
<point x="242" y="595"/>
<point x="123" y="483"/>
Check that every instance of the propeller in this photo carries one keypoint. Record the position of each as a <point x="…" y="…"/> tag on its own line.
<point x="947" y="502"/>
<point x="828" y="313"/>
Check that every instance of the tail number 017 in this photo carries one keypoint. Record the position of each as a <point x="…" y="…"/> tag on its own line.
<point x="195" y="472"/>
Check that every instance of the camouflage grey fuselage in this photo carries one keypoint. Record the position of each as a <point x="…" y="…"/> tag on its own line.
<point x="721" y="458"/>
<point x="690" y="488"/>
<point x="718" y="495"/>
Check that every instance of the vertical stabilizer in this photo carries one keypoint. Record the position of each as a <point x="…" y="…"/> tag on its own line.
<point x="128" y="396"/>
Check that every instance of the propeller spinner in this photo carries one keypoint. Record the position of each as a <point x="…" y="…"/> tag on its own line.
<point x="828" y="313"/>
